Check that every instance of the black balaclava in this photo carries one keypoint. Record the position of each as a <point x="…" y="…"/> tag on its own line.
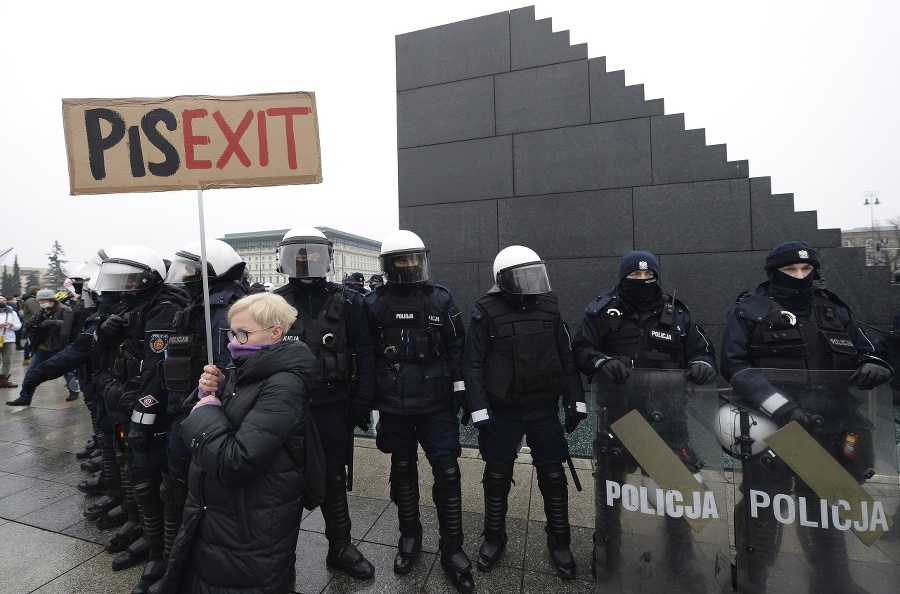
<point x="638" y="293"/>
<point x="787" y="290"/>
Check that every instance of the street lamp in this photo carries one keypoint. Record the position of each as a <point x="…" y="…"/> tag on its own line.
<point x="872" y="200"/>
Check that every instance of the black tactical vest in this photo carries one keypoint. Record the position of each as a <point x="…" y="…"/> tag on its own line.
<point x="780" y="342"/>
<point x="326" y="337"/>
<point x="74" y="321"/>
<point x="656" y="345"/>
<point x="523" y="366"/>
<point x="406" y="331"/>
<point x="186" y="350"/>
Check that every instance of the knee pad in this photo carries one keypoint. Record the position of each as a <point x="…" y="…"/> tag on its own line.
<point x="445" y="471"/>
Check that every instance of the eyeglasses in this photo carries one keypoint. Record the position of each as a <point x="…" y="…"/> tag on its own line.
<point x="242" y="336"/>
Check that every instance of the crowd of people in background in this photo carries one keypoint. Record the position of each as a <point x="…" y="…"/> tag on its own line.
<point x="201" y="422"/>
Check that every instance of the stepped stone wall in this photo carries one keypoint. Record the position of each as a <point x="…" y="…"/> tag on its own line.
<point x="508" y="134"/>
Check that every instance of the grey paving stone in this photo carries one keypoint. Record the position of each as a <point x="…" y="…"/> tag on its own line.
<point x="33" y="557"/>
<point x="13" y="483"/>
<point x="38" y="496"/>
<point x="93" y="576"/>
<point x="60" y="514"/>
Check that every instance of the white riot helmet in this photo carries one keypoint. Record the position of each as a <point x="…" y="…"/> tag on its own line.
<point x="269" y="287"/>
<point x="728" y="430"/>
<point x="305" y="252"/>
<point x="520" y="271"/>
<point x="404" y="258"/>
<point x="128" y="268"/>
<point x="220" y="259"/>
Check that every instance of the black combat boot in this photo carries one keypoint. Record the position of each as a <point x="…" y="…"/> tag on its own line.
<point x="146" y="493"/>
<point x="136" y="553"/>
<point x="496" y="481"/>
<point x="552" y="483"/>
<point x="131" y="529"/>
<point x="342" y="554"/>
<point x="405" y="495"/>
<point x="96" y="485"/>
<point x="447" y="495"/>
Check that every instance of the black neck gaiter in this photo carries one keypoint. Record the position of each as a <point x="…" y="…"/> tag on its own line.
<point x="639" y="293"/>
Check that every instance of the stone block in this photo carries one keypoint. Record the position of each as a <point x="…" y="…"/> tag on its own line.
<point x="463" y="281"/>
<point x="579" y="225"/>
<point x="462" y="50"/>
<point x="533" y="43"/>
<point x="681" y="155"/>
<point x="867" y="290"/>
<point x="611" y="100"/>
<point x="456" y="172"/>
<point x="694" y="217"/>
<point x="445" y="113"/>
<point x="467" y="231"/>
<point x="552" y="96"/>
<point x="578" y="281"/>
<point x="709" y="283"/>
<point x="593" y="157"/>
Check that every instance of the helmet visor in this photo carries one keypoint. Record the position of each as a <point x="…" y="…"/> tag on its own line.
<point x="115" y="276"/>
<point x="408" y="267"/>
<point x="305" y="260"/>
<point x="527" y="279"/>
<point x="183" y="270"/>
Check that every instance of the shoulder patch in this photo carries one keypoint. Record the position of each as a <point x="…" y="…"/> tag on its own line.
<point x="158" y="342"/>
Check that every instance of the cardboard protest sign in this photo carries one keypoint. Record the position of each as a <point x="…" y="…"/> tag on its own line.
<point x="191" y="142"/>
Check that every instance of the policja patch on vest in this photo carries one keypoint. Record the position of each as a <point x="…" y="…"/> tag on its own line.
<point x="158" y="342"/>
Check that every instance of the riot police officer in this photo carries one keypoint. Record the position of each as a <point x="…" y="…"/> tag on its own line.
<point x="792" y="321"/>
<point x="139" y="330"/>
<point x="419" y="391"/>
<point x="518" y="360"/>
<point x="187" y="354"/>
<point x="637" y="325"/>
<point x="332" y="323"/>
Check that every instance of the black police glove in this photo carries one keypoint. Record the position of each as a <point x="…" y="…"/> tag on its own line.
<point x="870" y="375"/>
<point x="138" y="439"/>
<point x="461" y="404"/>
<point x="112" y="325"/>
<point x="572" y="423"/>
<point x="700" y="373"/>
<point x="359" y="415"/>
<point x="803" y="418"/>
<point x="488" y="429"/>
<point x="51" y="323"/>
<point x="615" y="370"/>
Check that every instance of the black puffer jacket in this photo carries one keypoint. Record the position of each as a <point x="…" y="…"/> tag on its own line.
<point x="244" y="506"/>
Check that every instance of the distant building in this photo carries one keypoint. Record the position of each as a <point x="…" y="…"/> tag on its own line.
<point x="881" y="243"/>
<point x="352" y="253"/>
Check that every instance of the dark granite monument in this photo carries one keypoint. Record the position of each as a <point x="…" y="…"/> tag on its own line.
<point x="507" y="134"/>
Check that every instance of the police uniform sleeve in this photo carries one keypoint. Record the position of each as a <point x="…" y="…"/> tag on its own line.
<point x="697" y="346"/>
<point x="477" y="346"/>
<point x="588" y="343"/>
<point x="151" y="399"/>
<point x="573" y="393"/>
<point x="454" y="336"/>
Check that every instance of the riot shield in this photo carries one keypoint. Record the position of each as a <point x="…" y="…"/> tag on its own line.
<point x="815" y="503"/>
<point x="660" y="491"/>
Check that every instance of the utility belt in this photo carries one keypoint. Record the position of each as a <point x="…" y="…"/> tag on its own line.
<point x="128" y="362"/>
<point x="420" y="345"/>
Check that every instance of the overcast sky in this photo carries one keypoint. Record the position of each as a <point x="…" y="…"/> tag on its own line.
<point x="807" y="92"/>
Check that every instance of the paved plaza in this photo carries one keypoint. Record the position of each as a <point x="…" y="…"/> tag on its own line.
<point x="47" y="545"/>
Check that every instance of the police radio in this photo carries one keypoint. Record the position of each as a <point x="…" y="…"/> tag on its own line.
<point x="667" y="317"/>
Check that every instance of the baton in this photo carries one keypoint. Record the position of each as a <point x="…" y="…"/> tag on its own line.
<point x="350" y="444"/>
<point x="572" y="470"/>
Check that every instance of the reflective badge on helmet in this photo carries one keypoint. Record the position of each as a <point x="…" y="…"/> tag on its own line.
<point x="158" y="342"/>
<point x="148" y="401"/>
